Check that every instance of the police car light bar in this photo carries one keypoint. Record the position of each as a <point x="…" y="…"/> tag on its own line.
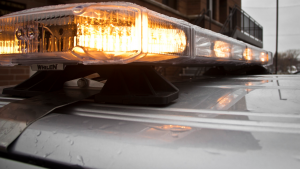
<point x="112" y="33"/>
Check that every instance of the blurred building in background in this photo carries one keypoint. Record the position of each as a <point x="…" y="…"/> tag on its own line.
<point x="221" y="16"/>
<point x="17" y="74"/>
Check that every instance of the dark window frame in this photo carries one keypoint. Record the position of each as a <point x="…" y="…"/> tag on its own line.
<point x="171" y="3"/>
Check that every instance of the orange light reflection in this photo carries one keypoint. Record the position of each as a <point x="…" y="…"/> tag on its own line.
<point x="222" y="49"/>
<point x="173" y="127"/>
<point x="248" y="54"/>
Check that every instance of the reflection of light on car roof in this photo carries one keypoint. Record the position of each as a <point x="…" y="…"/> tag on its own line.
<point x="227" y="100"/>
<point x="223" y="101"/>
<point x="172" y="128"/>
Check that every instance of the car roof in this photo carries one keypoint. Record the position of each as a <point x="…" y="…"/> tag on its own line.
<point x="236" y="122"/>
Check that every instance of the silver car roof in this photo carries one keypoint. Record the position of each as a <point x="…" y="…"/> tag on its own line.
<point x="234" y="122"/>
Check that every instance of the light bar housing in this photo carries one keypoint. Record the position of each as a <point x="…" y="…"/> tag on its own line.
<point x="114" y="33"/>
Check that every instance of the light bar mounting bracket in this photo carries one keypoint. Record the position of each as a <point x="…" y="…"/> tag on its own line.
<point x="126" y="84"/>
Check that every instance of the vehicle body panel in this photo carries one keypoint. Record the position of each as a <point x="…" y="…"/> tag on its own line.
<point x="9" y="164"/>
<point x="234" y="122"/>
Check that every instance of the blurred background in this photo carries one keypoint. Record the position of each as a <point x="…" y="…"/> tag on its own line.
<point x="264" y="11"/>
<point x="251" y="21"/>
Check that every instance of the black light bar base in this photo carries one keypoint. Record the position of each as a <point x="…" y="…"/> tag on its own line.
<point x="137" y="85"/>
<point x="126" y="84"/>
<point x="47" y="81"/>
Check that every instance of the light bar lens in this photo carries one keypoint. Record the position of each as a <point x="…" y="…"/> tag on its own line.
<point x="248" y="54"/>
<point x="165" y="37"/>
<point x="108" y="34"/>
<point x="112" y="33"/>
<point x="109" y="31"/>
<point x="222" y="49"/>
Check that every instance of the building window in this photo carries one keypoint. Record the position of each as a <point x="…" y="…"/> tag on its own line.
<point x="215" y="10"/>
<point x="211" y="6"/>
<point x="170" y="3"/>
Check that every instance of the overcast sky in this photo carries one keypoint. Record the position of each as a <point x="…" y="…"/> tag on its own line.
<point x="264" y="12"/>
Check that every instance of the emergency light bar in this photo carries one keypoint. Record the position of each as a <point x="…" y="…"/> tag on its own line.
<point x="112" y="33"/>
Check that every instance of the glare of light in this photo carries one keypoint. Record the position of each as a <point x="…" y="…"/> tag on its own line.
<point x="115" y="37"/>
<point x="109" y="39"/>
<point x="264" y="57"/>
<point x="78" y="50"/>
<point x="248" y="54"/>
<point x="249" y="84"/>
<point x="7" y="47"/>
<point x="166" y="41"/>
<point x="222" y="49"/>
<point x="160" y="41"/>
<point x="108" y="34"/>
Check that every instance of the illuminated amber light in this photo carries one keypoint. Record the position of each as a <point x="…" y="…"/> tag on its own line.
<point x="116" y="37"/>
<point x="166" y="41"/>
<point x="222" y="49"/>
<point x="7" y="47"/>
<point x="264" y="57"/>
<point x="248" y="55"/>
<point x="109" y="39"/>
<point x="108" y="34"/>
<point x="114" y="33"/>
<point x="78" y="50"/>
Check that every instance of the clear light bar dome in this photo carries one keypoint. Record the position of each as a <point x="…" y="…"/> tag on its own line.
<point x="112" y="33"/>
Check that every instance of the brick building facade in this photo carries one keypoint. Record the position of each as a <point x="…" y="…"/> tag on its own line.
<point x="188" y="10"/>
<point x="13" y="75"/>
<point x="183" y="9"/>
